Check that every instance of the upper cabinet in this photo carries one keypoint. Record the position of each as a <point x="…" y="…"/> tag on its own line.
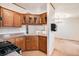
<point x="43" y="18"/>
<point x="0" y="11"/>
<point x="32" y="19"/>
<point x="17" y="21"/>
<point x="10" y="18"/>
<point x="22" y="17"/>
<point x="35" y="19"/>
<point x="7" y="17"/>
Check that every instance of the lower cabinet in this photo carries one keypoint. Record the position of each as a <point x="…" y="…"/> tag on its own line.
<point x="12" y="40"/>
<point x="20" y="42"/>
<point x="31" y="43"/>
<point x="36" y="43"/>
<point x="28" y="43"/>
<point x="43" y="43"/>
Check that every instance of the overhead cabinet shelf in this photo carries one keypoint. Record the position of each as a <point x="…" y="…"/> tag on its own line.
<point x="34" y="19"/>
<point x="14" y="19"/>
<point x="10" y="18"/>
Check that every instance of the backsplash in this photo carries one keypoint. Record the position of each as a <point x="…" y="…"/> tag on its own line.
<point x="31" y="29"/>
<point x="9" y="30"/>
<point x="34" y="28"/>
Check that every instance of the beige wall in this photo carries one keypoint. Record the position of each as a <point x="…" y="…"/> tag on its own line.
<point x="50" y="33"/>
<point x="68" y="29"/>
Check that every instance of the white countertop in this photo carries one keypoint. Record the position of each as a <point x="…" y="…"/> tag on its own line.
<point x="8" y="36"/>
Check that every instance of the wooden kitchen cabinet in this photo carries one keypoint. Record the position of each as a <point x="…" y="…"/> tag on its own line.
<point x="28" y="43"/>
<point x="34" y="43"/>
<point x="17" y="22"/>
<point x="14" y="19"/>
<point x="43" y="43"/>
<point x="23" y="18"/>
<point x="29" y="19"/>
<point x="31" y="43"/>
<point x="32" y="19"/>
<point x="10" y="18"/>
<point x="36" y="19"/>
<point x="43" y="19"/>
<point x="12" y="40"/>
<point x="7" y="18"/>
<point x="0" y="16"/>
<point x="20" y="42"/>
<point x="26" y="19"/>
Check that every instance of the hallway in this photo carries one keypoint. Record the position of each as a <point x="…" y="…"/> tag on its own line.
<point x="64" y="47"/>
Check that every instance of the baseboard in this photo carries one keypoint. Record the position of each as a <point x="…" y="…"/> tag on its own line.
<point x="50" y="53"/>
<point x="66" y="39"/>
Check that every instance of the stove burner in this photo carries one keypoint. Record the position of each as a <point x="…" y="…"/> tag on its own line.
<point x="6" y="48"/>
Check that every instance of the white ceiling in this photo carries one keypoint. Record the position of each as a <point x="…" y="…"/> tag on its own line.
<point x="71" y="9"/>
<point x="12" y="7"/>
<point x="35" y="8"/>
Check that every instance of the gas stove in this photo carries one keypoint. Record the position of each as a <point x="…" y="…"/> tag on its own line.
<point x="7" y="47"/>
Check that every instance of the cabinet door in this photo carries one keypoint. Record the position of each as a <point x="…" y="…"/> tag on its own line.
<point x="23" y="19"/>
<point x="43" y="19"/>
<point x="12" y="40"/>
<point x="28" y="43"/>
<point x="37" y="19"/>
<point x="20" y="42"/>
<point x="32" y="19"/>
<point x="17" y="22"/>
<point x="31" y="43"/>
<point x="34" y="43"/>
<point x="43" y="43"/>
<point x="7" y="17"/>
<point x="27" y="19"/>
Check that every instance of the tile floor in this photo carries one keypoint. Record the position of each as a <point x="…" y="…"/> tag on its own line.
<point x="33" y="53"/>
<point x="66" y="47"/>
<point x="58" y="53"/>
